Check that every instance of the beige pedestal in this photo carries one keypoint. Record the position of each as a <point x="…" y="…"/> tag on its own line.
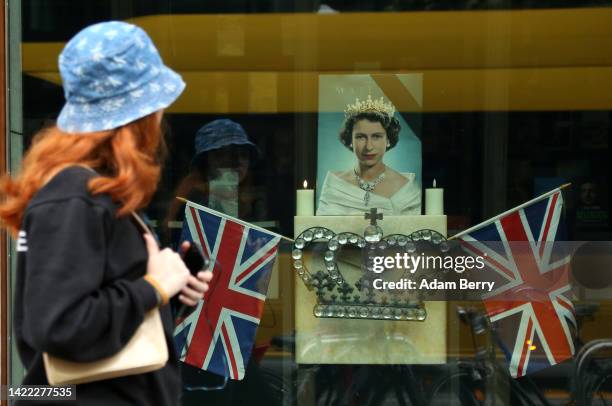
<point x="350" y="341"/>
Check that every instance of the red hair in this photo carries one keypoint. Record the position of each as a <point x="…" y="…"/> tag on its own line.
<point x="127" y="157"/>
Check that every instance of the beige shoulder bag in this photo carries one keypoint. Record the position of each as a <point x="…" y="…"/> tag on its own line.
<point x="146" y="351"/>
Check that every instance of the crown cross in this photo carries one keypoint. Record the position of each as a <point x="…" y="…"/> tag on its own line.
<point x="321" y="283"/>
<point x="373" y="216"/>
<point x="345" y="290"/>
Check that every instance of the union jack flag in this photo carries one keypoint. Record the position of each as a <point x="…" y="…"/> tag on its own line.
<point x="531" y="307"/>
<point x="218" y="335"/>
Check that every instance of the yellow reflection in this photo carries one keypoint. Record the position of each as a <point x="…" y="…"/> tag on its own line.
<point x="522" y="60"/>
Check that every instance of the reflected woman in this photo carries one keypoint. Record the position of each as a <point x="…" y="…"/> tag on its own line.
<point x="369" y="131"/>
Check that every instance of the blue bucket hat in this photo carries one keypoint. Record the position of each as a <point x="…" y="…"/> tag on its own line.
<point x="113" y="75"/>
<point x="221" y="133"/>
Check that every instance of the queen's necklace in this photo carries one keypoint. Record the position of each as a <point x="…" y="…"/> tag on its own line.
<point x="368" y="186"/>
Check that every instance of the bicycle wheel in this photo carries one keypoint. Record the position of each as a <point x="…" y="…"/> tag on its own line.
<point x="597" y="396"/>
<point x="458" y="389"/>
<point x="473" y="387"/>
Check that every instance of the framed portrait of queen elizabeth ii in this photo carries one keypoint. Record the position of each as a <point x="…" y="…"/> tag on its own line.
<point x="368" y="154"/>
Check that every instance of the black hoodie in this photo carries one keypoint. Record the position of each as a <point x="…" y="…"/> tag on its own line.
<point x="80" y="294"/>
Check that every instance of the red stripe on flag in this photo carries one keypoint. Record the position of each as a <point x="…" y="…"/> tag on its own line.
<point x="566" y="305"/>
<point x="200" y="341"/>
<point x="196" y="222"/>
<point x="526" y="348"/>
<point x="228" y="347"/>
<point x="551" y="210"/>
<point x="489" y="259"/>
<point x="502" y="302"/>
<point x="256" y="264"/>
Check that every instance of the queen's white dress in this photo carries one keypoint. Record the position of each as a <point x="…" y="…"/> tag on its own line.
<point x="341" y="198"/>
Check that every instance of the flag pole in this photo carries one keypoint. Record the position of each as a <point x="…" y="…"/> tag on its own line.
<point x="244" y="223"/>
<point x="491" y="220"/>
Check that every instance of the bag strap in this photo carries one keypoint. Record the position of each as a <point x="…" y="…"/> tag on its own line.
<point x="141" y="224"/>
<point x="137" y="219"/>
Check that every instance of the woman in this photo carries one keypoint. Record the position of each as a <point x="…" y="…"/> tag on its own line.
<point x="369" y="131"/>
<point x="85" y="274"/>
<point x="220" y="176"/>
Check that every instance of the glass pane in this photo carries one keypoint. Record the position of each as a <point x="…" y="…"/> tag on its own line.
<point x="497" y="102"/>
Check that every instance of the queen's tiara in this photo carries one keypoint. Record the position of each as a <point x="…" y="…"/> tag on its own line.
<point x="369" y="105"/>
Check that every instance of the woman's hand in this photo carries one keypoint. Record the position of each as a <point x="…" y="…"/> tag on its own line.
<point x="196" y="285"/>
<point x="166" y="267"/>
<point x="195" y="289"/>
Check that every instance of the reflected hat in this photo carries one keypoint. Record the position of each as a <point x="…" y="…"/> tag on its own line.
<point x="221" y="133"/>
<point x="113" y="75"/>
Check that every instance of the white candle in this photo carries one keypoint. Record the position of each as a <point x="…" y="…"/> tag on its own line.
<point x="434" y="200"/>
<point x="305" y="201"/>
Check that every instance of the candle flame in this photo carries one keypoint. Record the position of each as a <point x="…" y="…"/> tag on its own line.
<point x="305" y="184"/>
<point x="434" y="183"/>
